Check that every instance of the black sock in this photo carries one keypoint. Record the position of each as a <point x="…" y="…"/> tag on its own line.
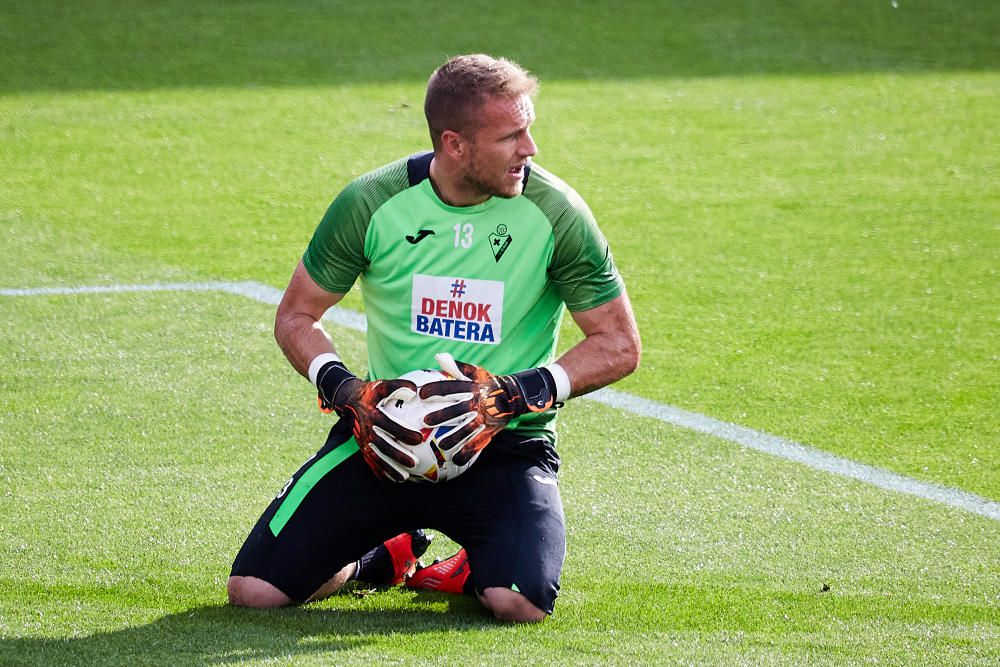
<point x="375" y="567"/>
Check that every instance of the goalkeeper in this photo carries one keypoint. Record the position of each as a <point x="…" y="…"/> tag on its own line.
<point x="473" y="251"/>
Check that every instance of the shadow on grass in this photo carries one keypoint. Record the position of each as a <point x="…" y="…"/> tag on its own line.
<point x="822" y="622"/>
<point x="221" y="634"/>
<point x="128" y="44"/>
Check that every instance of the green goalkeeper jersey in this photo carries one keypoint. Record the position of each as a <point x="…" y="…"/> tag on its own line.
<point x="487" y="283"/>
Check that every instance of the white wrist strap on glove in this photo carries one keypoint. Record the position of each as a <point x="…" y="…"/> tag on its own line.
<point x="563" y="388"/>
<point x="319" y="362"/>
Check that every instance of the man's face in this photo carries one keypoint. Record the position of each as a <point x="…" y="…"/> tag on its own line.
<point x="501" y="147"/>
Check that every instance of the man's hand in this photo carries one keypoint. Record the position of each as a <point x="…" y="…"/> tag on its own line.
<point x="349" y="396"/>
<point x="495" y="400"/>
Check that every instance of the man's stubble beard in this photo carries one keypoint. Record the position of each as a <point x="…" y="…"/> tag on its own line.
<point x="475" y="178"/>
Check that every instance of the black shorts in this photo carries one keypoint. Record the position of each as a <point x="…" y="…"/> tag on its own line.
<point x="505" y="510"/>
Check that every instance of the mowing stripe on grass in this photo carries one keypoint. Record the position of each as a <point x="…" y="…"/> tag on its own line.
<point x="741" y="435"/>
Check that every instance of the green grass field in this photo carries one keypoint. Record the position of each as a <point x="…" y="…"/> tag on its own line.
<point x="803" y="199"/>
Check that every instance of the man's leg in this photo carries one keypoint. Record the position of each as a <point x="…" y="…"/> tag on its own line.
<point x="254" y="592"/>
<point x="308" y="542"/>
<point x="387" y="564"/>
<point x="391" y="562"/>
<point x="452" y="575"/>
<point x="512" y="528"/>
<point x="511" y="607"/>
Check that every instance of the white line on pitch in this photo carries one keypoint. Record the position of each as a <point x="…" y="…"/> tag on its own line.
<point x="741" y="435"/>
<point x="251" y="290"/>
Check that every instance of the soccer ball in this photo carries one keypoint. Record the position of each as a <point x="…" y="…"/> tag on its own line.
<point x="406" y="407"/>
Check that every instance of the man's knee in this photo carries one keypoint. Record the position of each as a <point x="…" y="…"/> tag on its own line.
<point x="254" y="592"/>
<point x="510" y="606"/>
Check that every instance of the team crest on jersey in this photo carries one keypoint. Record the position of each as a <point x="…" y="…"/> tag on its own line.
<point x="500" y="241"/>
<point x="462" y="309"/>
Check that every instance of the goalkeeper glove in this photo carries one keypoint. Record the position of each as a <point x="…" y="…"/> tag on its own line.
<point x="351" y="397"/>
<point x="494" y="400"/>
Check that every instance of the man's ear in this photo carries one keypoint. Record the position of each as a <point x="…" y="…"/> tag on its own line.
<point x="454" y="144"/>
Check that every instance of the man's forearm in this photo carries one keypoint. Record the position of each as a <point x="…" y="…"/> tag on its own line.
<point x="609" y="351"/>
<point x="302" y="339"/>
<point x="297" y="325"/>
<point x="597" y="361"/>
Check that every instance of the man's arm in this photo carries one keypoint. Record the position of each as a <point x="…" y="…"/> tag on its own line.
<point x="610" y="349"/>
<point x="297" y="324"/>
<point x="300" y="335"/>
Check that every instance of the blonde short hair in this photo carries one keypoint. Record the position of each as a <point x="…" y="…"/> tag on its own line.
<point x="459" y="88"/>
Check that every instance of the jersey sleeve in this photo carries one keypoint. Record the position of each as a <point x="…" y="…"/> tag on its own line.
<point x="335" y="256"/>
<point x="582" y="267"/>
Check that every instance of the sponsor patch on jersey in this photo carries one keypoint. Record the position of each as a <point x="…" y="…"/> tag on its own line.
<point x="462" y="309"/>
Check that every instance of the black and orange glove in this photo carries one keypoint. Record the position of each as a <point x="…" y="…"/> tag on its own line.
<point x="494" y="400"/>
<point x="351" y="397"/>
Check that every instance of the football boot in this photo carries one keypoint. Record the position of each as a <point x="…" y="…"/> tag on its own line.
<point x="446" y="576"/>
<point x="405" y="549"/>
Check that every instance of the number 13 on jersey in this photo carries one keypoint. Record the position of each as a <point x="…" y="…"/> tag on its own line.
<point x="463" y="235"/>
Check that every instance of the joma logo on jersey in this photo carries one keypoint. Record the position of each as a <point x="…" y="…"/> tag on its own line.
<point x="462" y="309"/>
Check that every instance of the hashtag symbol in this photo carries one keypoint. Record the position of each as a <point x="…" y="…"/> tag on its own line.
<point x="458" y="288"/>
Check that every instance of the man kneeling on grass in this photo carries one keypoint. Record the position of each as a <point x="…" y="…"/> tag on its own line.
<point x="474" y="251"/>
